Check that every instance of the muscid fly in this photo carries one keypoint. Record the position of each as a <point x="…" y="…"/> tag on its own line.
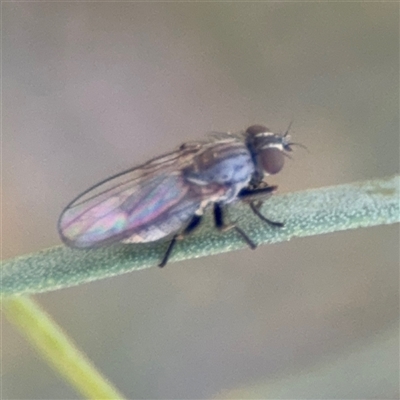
<point x="166" y="196"/>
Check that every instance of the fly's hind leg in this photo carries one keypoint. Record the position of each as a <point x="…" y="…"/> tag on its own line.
<point x="221" y="226"/>
<point x="193" y="224"/>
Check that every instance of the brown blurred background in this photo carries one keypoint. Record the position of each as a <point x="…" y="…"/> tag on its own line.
<point x="90" y="89"/>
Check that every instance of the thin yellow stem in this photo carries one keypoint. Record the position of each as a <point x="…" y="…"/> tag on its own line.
<point x="60" y="352"/>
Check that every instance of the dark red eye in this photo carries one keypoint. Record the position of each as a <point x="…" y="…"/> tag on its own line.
<point x="272" y="160"/>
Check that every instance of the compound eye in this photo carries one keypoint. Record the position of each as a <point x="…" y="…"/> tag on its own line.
<point x="272" y="160"/>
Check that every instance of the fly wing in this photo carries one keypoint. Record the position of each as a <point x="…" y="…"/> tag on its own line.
<point x="129" y="206"/>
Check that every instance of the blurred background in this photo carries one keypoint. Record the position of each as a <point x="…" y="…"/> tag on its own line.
<point x="90" y="89"/>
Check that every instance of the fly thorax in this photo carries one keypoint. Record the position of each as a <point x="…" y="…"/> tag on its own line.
<point x="226" y="165"/>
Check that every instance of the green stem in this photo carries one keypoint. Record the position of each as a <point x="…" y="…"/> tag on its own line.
<point x="307" y="213"/>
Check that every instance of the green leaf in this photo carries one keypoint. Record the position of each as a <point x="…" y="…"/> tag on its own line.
<point x="306" y="213"/>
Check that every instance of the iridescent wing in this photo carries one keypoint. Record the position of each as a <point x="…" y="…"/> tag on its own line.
<point x="143" y="204"/>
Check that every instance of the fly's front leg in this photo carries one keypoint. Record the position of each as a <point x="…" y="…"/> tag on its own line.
<point x="220" y="225"/>
<point x="260" y="192"/>
<point x="193" y="224"/>
<point x="256" y="210"/>
<point x="255" y="198"/>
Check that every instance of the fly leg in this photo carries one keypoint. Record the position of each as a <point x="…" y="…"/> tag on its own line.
<point x="255" y="207"/>
<point x="193" y="224"/>
<point x="220" y="225"/>
<point x="255" y="198"/>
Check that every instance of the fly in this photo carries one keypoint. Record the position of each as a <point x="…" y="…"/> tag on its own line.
<point x="167" y="196"/>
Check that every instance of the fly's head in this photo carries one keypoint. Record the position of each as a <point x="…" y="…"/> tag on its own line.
<point x="268" y="150"/>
